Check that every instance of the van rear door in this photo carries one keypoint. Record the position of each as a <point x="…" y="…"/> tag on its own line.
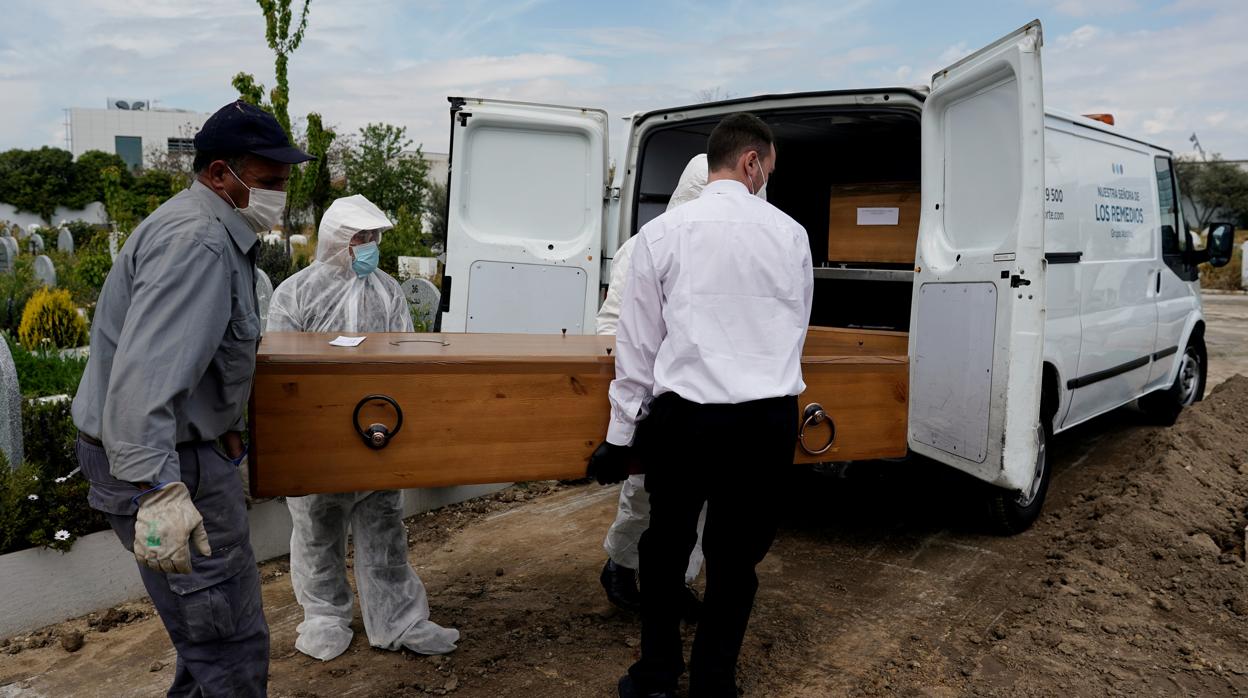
<point x="977" y="317"/>
<point x="525" y="221"/>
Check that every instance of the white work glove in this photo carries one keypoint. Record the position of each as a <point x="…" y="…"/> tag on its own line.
<point x="165" y="526"/>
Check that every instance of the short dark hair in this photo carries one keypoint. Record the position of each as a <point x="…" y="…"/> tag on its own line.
<point x="734" y="135"/>
<point x="204" y="158"/>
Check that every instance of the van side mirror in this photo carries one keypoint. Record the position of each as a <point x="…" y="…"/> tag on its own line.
<point x="1221" y="244"/>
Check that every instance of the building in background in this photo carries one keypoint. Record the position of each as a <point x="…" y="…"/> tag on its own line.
<point x="439" y="167"/>
<point x="133" y="129"/>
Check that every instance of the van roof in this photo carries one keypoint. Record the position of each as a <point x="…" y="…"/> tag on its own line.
<point x="1085" y="122"/>
<point x="919" y="92"/>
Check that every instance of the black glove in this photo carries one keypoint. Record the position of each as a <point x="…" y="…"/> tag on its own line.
<point x="609" y="464"/>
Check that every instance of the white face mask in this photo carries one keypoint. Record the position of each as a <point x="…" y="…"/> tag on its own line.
<point x="264" y="206"/>
<point x="760" y="192"/>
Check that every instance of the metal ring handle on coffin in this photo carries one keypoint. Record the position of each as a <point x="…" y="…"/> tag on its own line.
<point x="813" y="416"/>
<point x="377" y="436"/>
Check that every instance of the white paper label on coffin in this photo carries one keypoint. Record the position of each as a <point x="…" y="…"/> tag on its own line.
<point x="878" y="216"/>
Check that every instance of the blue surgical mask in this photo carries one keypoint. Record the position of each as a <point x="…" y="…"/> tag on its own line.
<point x="366" y="258"/>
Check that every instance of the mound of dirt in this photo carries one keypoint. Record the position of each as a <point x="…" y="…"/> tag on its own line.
<point x="1143" y="587"/>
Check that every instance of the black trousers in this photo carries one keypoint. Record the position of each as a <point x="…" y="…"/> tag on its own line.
<point x="734" y="458"/>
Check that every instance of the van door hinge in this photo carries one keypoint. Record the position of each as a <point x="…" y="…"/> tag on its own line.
<point x="1016" y="281"/>
<point x="611" y="193"/>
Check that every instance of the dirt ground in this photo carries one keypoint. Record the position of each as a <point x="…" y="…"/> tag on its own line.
<point x="881" y="583"/>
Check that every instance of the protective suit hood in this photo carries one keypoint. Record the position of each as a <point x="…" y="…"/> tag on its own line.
<point x="691" y="183"/>
<point x="327" y="296"/>
<point x="342" y="220"/>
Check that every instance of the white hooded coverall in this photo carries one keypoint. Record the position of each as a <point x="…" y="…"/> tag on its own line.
<point x="632" y="517"/>
<point x="327" y="296"/>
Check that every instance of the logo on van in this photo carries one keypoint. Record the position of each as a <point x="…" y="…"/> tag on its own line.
<point x="1118" y="168"/>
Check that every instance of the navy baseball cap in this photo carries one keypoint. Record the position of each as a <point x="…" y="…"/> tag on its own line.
<point x="240" y="127"/>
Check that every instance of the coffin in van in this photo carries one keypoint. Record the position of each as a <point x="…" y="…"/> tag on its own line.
<point x="873" y="223"/>
<point x="481" y="408"/>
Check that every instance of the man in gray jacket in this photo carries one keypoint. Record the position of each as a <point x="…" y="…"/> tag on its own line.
<point x="160" y="407"/>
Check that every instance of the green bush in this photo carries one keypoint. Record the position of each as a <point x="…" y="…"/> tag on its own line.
<point x="41" y="503"/>
<point x="405" y="239"/>
<point x="93" y="261"/>
<point x="275" y="261"/>
<point x="15" y="291"/>
<point x="51" y="319"/>
<point x="43" y="373"/>
<point x="83" y="233"/>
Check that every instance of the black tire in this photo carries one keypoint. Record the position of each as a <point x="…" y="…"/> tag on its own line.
<point x="1163" y="406"/>
<point x="1011" y="511"/>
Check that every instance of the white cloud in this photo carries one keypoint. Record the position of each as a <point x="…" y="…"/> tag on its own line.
<point x="1079" y="38"/>
<point x="1095" y="8"/>
<point x="1163" y="83"/>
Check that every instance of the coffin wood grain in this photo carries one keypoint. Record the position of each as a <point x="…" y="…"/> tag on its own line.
<point x="850" y="242"/>
<point x="502" y="408"/>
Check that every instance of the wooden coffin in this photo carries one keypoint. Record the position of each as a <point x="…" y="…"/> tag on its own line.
<point x="483" y="408"/>
<point x="873" y="223"/>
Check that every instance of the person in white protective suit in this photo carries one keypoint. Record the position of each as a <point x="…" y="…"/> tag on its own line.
<point x="619" y="574"/>
<point x="343" y="291"/>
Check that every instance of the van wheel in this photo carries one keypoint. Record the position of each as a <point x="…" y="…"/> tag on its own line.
<point x="1014" y="511"/>
<point x="1163" y="406"/>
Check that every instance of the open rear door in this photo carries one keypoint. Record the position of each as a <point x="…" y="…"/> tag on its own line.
<point x="977" y="324"/>
<point x="525" y="219"/>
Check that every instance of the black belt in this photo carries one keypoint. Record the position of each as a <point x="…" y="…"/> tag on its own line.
<point x="100" y="444"/>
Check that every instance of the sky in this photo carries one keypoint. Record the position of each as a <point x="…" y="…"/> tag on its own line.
<point x="1165" y="69"/>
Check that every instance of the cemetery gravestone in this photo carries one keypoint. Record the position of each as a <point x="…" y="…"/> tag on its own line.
<point x="423" y="297"/>
<point x="11" y="405"/>
<point x="45" y="271"/>
<point x="8" y="255"/>
<point x="65" y="241"/>
<point x="298" y="240"/>
<point x="264" y="294"/>
<point x="34" y="243"/>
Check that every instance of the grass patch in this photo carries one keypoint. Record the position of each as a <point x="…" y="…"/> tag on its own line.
<point x="41" y="373"/>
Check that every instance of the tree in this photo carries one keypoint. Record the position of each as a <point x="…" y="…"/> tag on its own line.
<point x="713" y="94"/>
<point x="377" y="167"/>
<point x="436" y="206"/>
<point x="314" y="187"/>
<point x="178" y="164"/>
<point x="403" y="240"/>
<point x="118" y="202"/>
<point x="277" y="18"/>
<point x="88" y="181"/>
<point x="250" y="91"/>
<point x="283" y="42"/>
<point x="36" y="181"/>
<point x="1215" y="188"/>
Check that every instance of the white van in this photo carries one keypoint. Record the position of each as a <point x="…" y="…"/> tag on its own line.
<point x="1052" y="278"/>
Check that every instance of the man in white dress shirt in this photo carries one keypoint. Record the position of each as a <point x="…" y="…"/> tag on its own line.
<point x="632" y="518"/>
<point x="708" y="353"/>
